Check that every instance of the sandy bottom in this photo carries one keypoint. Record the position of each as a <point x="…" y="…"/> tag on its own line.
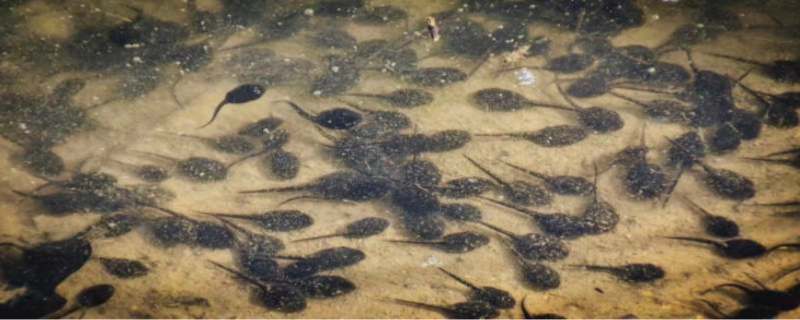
<point x="401" y="271"/>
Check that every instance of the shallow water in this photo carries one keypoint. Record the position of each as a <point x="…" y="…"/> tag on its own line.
<point x="137" y="98"/>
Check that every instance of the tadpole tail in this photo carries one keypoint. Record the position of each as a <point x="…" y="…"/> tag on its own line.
<point x="506" y="135"/>
<point x="486" y="171"/>
<point x="786" y="272"/>
<point x="696" y="207"/>
<point x="292" y="199"/>
<point x="249" y="156"/>
<point x="784" y="152"/>
<point x="497" y="229"/>
<point x="65" y="313"/>
<point x="530" y="213"/>
<point x="641" y="89"/>
<point x="421" y="305"/>
<point x="729" y="285"/>
<point x="412" y="242"/>
<point x="597" y="268"/>
<point x="279" y="189"/>
<point x="699" y="240"/>
<point x="626" y="98"/>
<point x="25" y="194"/>
<point x="672" y="187"/>
<point x="530" y="172"/>
<point x="170" y="212"/>
<point x="365" y="95"/>
<point x="715" y="308"/>
<point x="459" y="279"/>
<point x="566" y="97"/>
<point x="299" y="110"/>
<point x="737" y="59"/>
<point x="213" y="116"/>
<point x="333" y="235"/>
<point x="525" y="313"/>
<point x="787" y="162"/>
<point x="775" y="204"/>
<point x="795" y="246"/>
<point x="235" y="273"/>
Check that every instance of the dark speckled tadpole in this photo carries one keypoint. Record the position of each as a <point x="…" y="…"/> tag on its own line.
<point x="460" y="242"/>
<point x="402" y="98"/>
<point x="462" y="310"/>
<point x="323" y="260"/>
<point x="241" y="94"/>
<point x="763" y="296"/>
<point x="635" y="272"/>
<point x="279" y="220"/>
<point x="123" y="268"/>
<point x="564" y="185"/>
<point x="549" y="137"/>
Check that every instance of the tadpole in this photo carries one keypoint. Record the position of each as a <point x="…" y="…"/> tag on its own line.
<point x="598" y="119"/>
<point x="634" y="272"/>
<point x="261" y="127"/>
<point x="563" y="185"/>
<point x="497" y="298"/>
<point x="89" y="298"/>
<point x="462" y="310"/>
<point x="241" y="94"/>
<point x="670" y="111"/>
<point x="362" y="228"/>
<point x="460" y="242"/>
<point x="323" y="260"/>
<point x="460" y="212"/>
<point x="787" y="71"/>
<point x="401" y="98"/>
<point x="534" y="246"/>
<point x="461" y="188"/>
<point x="738" y="248"/>
<point x="715" y="225"/>
<point x="549" y="137"/>
<point x="343" y="185"/>
<point x="124" y="268"/>
<point x="276" y="296"/>
<point x="763" y="296"/>
<point x="725" y="183"/>
<point x="335" y="118"/>
<point x="518" y="192"/>
<point x="324" y="286"/>
<point x="277" y="220"/>
<point x="146" y="172"/>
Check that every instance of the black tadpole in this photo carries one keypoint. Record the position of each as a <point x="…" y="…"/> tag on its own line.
<point x="241" y="94"/>
<point x="276" y="220"/>
<point x="763" y="296"/>
<point x="598" y="119"/>
<point x="715" y="225"/>
<point x="335" y="118"/>
<point x="725" y="183"/>
<point x="534" y="246"/>
<point x="89" y="298"/>
<point x="401" y="98"/>
<point x="738" y="248"/>
<point x="498" y="298"/>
